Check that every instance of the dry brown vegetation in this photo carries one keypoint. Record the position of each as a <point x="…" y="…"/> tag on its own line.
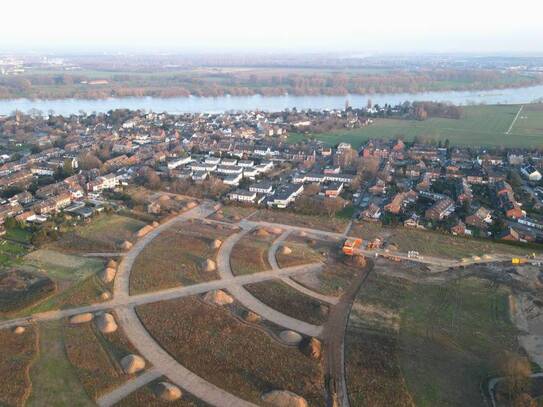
<point x="307" y="221"/>
<point x="250" y="254"/>
<point x="238" y="358"/>
<point x="232" y="213"/>
<point x="146" y="397"/>
<point x="16" y="355"/>
<point x="301" y="254"/>
<point x="175" y="257"/>
<point x="96" y="357"/>
<point x="288" y="301"/>
<point x="20" y="289"/>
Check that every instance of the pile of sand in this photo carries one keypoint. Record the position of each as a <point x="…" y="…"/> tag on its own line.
<point x="155" y="224"/>
<point x="218" y="297"/>
<point x="108" y="275"/>
<point x="19" y="330"/>
<point x="167" y="391"/>
<point x="132" y="364"/>
<point x="252" y="317"/>
<point x="275" y="230"/>
<point x="209" y="265"/>
<point x="262" y="232"/>
<point x="111" y="264"/>
<point x="236" y="217"/>
<point x="105" y="295"/>
<point x="126" y="245"/>
<point x="192" y="204"/>
<point x="311" y="348"/>
<point x="216" y="244"/>
<point x="302" y="234"/>
<point x="286" y="250"/>
<point x="106" y="323"/>
<point x="81" y="318"/>
<point x="284" y="398"/>
<point x="144" y="230"/>
<point x="290" y="337"/>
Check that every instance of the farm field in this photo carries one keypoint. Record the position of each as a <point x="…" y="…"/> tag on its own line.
<point x="17" y="352"/>
<point x="250" y="253"/>
<point x="288" y="301"/>
<point x="481" y="126"/>
<point x="105" y="233"/>
<point x="238" y="358"/>
<point x="429" y="348"/>
<point x="176" y="257"/>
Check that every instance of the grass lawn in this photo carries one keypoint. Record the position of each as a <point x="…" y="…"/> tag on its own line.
<point x="17" y="352"/>
<point x="105" y="233"/>
<point x="54" y="379"/>
<point x="238" y="358"/>
<point x="450" y="338"/>
<point x="146" y="397"/>
<point x="295" y="219"/>
<point x="11" y="252"/>
<point x="288" y="301"/>
<point x="431" y="243"/>
<point x="175" y="258"/>
<point x="480" y="126"/>
<point x="250" y="254"/>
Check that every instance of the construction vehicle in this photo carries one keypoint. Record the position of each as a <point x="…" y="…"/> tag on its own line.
<point x="350" y="245"/>
<point x="518" y="260"/>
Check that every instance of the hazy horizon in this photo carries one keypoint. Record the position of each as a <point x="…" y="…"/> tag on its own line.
<point x="305" y="27"/>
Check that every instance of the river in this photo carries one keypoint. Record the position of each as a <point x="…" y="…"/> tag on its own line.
<point x="267" y="103"/>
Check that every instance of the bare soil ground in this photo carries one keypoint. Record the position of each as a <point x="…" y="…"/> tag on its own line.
<point x="17" y="352"/>
<point x="288" y="301"/>
<point x="239" y="358"/>
<point x="175" y="257"/>
<point x="232" y="213"/>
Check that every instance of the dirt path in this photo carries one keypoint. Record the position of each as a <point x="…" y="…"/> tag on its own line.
<point x="250" y="301"/>
<point x="129" y="387"/>
<point x="272" y="260"/>
<point x="334" y="341"/>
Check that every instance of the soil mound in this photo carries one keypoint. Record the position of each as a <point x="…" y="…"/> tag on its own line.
<point x="290" y="337"/>
<point x="275" y="230"/>
<point x="262" y="232"/>
<point x="286" y="250"/>
<point x="144" y="230"/>
<point x="19" y="330"/>
<point x="209" y="265"/>
<point x="132" y="364"/>
<point x="192" y="204"/>
<point x="284" y="398"/>
<point x="108" y="275"/>
<point x="311" y="348"/>
<point x="167" y="391"/>
<point x="218" y="297"/>
<point x="81" y="318"/>
<point x="112" y="264"/>
<point x="216" y="244"/>
<point x="106" y="323"/>
<point x="252" y="317"/>
<point x="126" y="245"/>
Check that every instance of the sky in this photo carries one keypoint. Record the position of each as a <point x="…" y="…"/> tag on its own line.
<point x="489" y="26"/>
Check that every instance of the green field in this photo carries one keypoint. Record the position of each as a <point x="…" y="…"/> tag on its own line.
<point x="480" y="126"/>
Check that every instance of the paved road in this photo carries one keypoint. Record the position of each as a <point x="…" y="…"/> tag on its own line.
<point x="129" y="387"/>
<point x="275" y="266"/>
<point x="334" y="339"/>
<point x="251" y="302"/>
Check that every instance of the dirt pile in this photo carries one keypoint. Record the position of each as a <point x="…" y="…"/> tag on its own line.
<point x="108" y="275"/>
<point x="275" y="230"/>
<point x="81" y="318"/>
<point x="126" y="245"/>
<point x="209" y="265"/>
<point x="192" y="204"/>
<point x="144" y="230"/>
<point x="262" y="232"/>
<point x="312" y="348"/>
<point x="216" y="244"/>
<point x="167" y="391"/>
<point x="106" y="323"/>
<point x="290" y="337"/>
<point x="132" y="364"/>
<point x="286" y="250"/>
<point x="112" y="264"/>
<point x="284" y="398"/>
<point x="251" y="317"/>
<point x="218" y="297"/>
<point x="19" y="330"/>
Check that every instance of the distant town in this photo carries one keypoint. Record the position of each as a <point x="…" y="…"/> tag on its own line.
<point x="78" y="165"/>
